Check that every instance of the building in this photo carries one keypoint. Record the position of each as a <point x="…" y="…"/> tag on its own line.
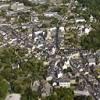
<point x="55" y="1"/>
<point x="49" y="78"/>
<point x="4" y="6"/>
<point x="50" y="14"/>
<point x="64" y="84"/>
<point x="46" y="88"/>
<point x="91" y="61"/>
<point x="80" y="20"/>
<point x="39" y="1"/>
<point x="35" y="85"/>
<point x="13" y="96"/>
<point x="81" y="93"/>
<point x="4" y="0"/>
<point x="17" y="6"/>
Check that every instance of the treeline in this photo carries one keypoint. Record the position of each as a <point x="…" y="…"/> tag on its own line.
<point x="92" y="41"/>
<point x="94" y="7"/>
<point x="18" y="71"/>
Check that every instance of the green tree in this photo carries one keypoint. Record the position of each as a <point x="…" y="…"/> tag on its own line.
<point x="29" y="70"/>
<point x="83" y="98"/>
<point x="61" y="94"/>
<point x="65" y="94"/>
<point x="29" y="94"/>
<point x="3" y="88"/>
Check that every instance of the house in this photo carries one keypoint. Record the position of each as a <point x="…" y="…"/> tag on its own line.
<point x="92" y="61"/>
<point x="49" y="78"/>
<point x="98" y="56"/>
<point x="53" y="29"/>
<point x="2" y="19"/>
<point x="87" y="30"/>
<point x="98" y="76"/>
<point x="2" y="33"/>
<point x="38" y="1"/>
<point x="12" y="41"/>
<point x="86" y="73"/>
<point x="66" y="65"/>
<point x="17" y="6"/>
<point x="35" y="19"/>
<point x="50" y="14"/>
<point x="62" y="29"/>
<point x="46" y="88"/>
<point x="13" y="96"/>
<point x="46" y="63"/>
<point x="91" y="18"/>
<point x="15" y="66"/>
<point x="49" y="37"/>
<point x="11" y="13"/>
<point x="72" y="81"/>
<point x="40" y="46"/>
<point x="81" y="93"/>
<point x="12" y="20"/>
<point x="35" y="85"/>
<point x="81" y="70"/>
<point x="80" y="20"/>
<point x="53" y="50"/>
<point x="55" y="1"/>
<point x="38" y="33"/>
<point x="76" y="55"/>
<point x="60" y="74"/>
<point x="64" y="84"/>
<point x="4" y="6"/>
<point x="56" y="63"/>
<point x="5" y="0"/>
<point x="54" y="84"/>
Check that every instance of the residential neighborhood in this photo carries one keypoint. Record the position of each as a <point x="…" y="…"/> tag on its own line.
<point x="48" y="35"/>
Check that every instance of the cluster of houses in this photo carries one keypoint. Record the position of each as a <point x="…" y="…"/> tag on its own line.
<point x="66" y="67"/>
<point x="73" y="70"/>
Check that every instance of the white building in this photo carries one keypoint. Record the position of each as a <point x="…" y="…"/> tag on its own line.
<point x="81" y="70"/>
<point x="4" y="6"/>
<point x="60" y="75"/>
<point x="17" y="6"/>
<point x="54" y="84"/>
<point x="38" y="33"/>
<point x="13" y="96"/>
<point x="81" y="93"/>
<point x="38" y="1"/>
<point x="91" y="61"/>
<point x="5" y="0"/>
<point x="56" y="1"/>
<point x="53" y="50"/>
<point x="64" y="84"/>
<point x="80" y="20"/>
<point x="49" y="78"/>
<point x="91" y="18"/>
<point x="50" y="14"/>
<point x="66" y="65"/>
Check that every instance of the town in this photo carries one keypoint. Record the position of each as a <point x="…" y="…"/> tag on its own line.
<point x="51" y="30"/>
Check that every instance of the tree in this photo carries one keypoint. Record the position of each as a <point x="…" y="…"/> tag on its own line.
<point x="91" y="41"/>
<point x="61" y="94"/>
<point x="65" y="94"/>
<point x="93" y="6"/>
<point x="29" y="94"/>
<point x="3" y="88"/>
<point x="83" y="98"/>
<point x="71" y="38"/>
<point x="20" y="78"/>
